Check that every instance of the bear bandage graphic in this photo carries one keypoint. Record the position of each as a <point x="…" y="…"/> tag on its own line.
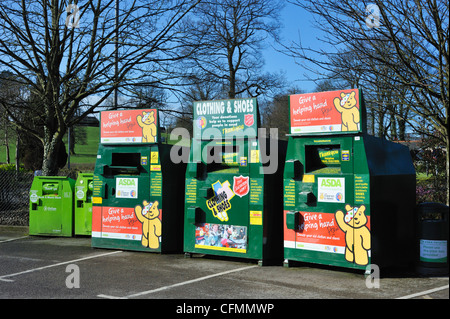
<point x="357" y="235"/>
<point x="151" y="224"/>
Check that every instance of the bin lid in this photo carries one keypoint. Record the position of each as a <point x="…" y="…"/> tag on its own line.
<point x="85" y="175"/>
<point x="49" y="178"/>
<point x="432" y="210"/>
<point x="432" y="206"/>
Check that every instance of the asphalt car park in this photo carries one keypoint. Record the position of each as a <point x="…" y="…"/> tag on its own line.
<point x="69" y="268"/>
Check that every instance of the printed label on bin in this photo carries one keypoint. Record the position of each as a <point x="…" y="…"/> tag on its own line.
<point x="219" y="204"/>
<point x="225" y="118"/>
<point x="126" y="187"/>
<point x="325" y="112"/>
<point x="116" y="222"/>
<point x="80" y="194"/>
<point x="34" y="196"/>
<point x="221" y="237"/>
<point x="331" y="190"/>
<point x="316" y="231"/>
<point x="345" y="232"/>
<point x="433" y="251"/>
<point x="129" y="126"/>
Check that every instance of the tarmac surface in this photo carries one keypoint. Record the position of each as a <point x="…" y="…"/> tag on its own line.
<point x="69" y="268"/>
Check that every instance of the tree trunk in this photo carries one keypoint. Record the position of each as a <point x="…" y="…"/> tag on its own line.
<point x="8" y="158"/>
<point x="447" y="169"/>
<point x="72" y="140"/>
<point x="55" y="155"/>
<point x="401" y="129"/>
<point x="381" y="129"/>
<point x="18" y="146"/>
<point x="232" y="88"/>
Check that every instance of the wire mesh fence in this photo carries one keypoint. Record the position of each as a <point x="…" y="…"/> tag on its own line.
<point x="15" y="194"/>
<point x="14" y="197"/>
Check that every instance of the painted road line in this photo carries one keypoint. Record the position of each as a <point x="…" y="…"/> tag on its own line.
<point x="426" y="292"/>
<point x="7" y="240"/>
<point x="178" y="284"/>
<point x="5" y="277"/>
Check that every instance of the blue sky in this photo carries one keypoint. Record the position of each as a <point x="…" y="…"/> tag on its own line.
<point x="297" y="23"/>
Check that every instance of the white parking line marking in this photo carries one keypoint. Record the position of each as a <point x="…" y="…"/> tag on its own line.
<point x="178" y="284"/>
<point x="6" y="240"/>
<point x="3" y="278"/>
<point x="426" y="292"/>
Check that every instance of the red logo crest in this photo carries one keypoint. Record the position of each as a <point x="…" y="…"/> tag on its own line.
<point x="241" y="185"/>
<point x="249" y="120"/>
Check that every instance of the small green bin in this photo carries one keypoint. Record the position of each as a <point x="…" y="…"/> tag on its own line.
<point x="51" y="206"/>
<point x="83" y="204"/>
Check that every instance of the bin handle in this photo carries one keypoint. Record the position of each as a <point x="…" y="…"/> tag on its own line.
<point x="105" y="191"/>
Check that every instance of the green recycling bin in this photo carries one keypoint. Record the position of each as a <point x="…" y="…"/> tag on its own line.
<point x="51" y="206"/>
<point x="349" y="197"/>
<point x="83" y="203"/>
<point x="138" y="194"/>
<point x="233" y="200"/>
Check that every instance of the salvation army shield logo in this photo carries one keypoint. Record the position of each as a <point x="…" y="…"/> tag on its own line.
<point x="249" y="120"/>
<point x="241" y="185"/>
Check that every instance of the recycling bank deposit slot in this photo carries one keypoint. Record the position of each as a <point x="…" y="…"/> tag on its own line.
<point x="233" y="201"/>
<point x="348" y="197"/>
<point x="138" y="193"/>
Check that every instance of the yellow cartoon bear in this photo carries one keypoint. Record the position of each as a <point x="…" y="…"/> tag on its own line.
<point x="151" y="224"/>
<point x="346" y="105"/>
<point x="357" y="235"/>
<point x="147" y="123"/>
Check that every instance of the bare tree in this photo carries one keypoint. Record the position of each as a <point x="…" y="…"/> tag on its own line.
<point x="198" y="91"/>
<point x="231" y="35"/>
<point x="407" y="38"/>
<point x="64" y="51"/>
<point x="275" y="112"/>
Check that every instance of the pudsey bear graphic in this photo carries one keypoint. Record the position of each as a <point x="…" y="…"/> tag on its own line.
<point x="151" y="224"/>
<point x="357" y="235"/>
<point x="147" y="122"/>
<point x="346" y="105"/>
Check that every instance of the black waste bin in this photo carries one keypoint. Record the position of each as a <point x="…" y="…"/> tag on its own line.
<point x="432" y="235"/>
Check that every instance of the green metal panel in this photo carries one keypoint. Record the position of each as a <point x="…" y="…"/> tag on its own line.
<point x="138" y="195"/>
<point x="348" y="197"/>
<point x="375" y="178"/>
<point x="231" y="207"/>
<point x="392" y="199"/>
<point x="319" y="182"/>
<point x="83" y="203"/>
<point x="122" y="192"/>
<point x="51" y="206"/>
<point x="217" y="219"/>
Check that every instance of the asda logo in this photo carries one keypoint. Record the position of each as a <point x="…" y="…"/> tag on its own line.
<point x="126" y="187"/>
<point x="127" y="182"/>
<point x="330" y="182"/>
